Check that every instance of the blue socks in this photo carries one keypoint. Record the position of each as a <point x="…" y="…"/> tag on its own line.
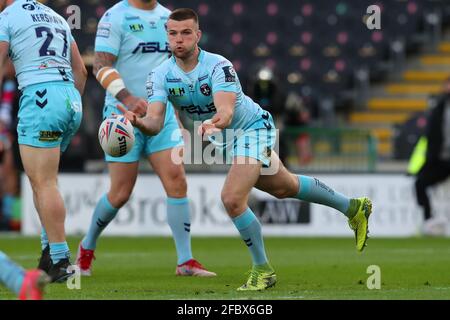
<point x="11" y="274"/>
<point x="104" y="213"/>
<point x="44" y="239"/>
<point x="313" y="190"/>
<point x="59" y="251"/>
<point x="178" y="218"/>
<point x="250" y="230"/>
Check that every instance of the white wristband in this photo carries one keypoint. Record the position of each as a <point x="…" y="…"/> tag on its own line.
<point x="115" y="87"/>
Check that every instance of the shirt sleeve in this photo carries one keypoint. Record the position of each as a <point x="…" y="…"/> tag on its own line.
<point x="108" y="35"/>
<point x="223" y="77"/>
<point x="156" y="87"/>
<point x="4" y="29"/>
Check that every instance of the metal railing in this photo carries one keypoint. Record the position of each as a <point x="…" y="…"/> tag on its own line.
<point x="329" y="149"/>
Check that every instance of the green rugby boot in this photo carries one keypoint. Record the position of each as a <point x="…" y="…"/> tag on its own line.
<point x="359" y="223"/>
<point x="260" y="278"/>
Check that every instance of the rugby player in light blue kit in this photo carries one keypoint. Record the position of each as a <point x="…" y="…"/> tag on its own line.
<point x="131" y="39"/>
<point x="51" y="75"/>
<point x="27" y="285"/>
<point x="205" y="86"/>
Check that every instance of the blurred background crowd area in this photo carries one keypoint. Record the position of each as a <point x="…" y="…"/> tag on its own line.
<point x="335" y="87"/>
<point x="346" y="98"/>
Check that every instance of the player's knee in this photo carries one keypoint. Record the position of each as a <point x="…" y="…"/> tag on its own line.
<point x="289" y="189"/>
<point x="120" y="198"/>
<point x="176" y="185"/>
<point x="282" y="193"/>
<point x="232" y="202"/>
<point x="39" y="183"/>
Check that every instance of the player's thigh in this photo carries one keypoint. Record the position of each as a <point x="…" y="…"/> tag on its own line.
<point x="164" y="154"/>
<point x="123" y="176"/>
<point x="170" y="172"/>
<point x="280" y="184"/>
<point x="240" y="180"/>
<point x="40" y="164"/>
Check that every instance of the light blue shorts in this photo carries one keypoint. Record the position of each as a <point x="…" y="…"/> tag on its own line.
<point x="50" y="114"/>
<point x="256" y="142"/>
<point x="169" y="137"/>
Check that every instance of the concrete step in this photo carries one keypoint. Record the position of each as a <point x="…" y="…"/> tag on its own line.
<point x="426" y="75"/>
<point x="413" y="88"/>
<point x="435" y="59"/>
<point x="378" y="118"/>
<point x="444" y="47"/>
<point x="397" y="104"/>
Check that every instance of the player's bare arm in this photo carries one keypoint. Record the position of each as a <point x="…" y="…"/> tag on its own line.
<point x="152" y="123"/>
<point x="224" y="103"/>
<point x="4" y="48"/>
<point x="78" y="68"/>
<point x="110" y="79"/>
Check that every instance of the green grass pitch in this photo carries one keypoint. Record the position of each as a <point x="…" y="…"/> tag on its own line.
<point x="307" y="268"/>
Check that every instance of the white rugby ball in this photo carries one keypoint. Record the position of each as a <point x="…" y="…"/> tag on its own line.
<point x="116" y="135"/>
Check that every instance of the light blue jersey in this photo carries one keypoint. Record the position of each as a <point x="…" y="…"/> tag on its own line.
<point x="192" y="92"/>
<point x="39" y="41"/>
<point x="139" y="41"/>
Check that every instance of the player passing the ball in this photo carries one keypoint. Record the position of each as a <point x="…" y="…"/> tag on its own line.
<point x="213" y="91"/>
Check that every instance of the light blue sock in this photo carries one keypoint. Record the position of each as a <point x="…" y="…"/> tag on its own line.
<point x="250" y="230"/>
<point x="179" y="220"/>
<point x="7" y="206"/>
<point x="313" y="190"/>
<point x="44" y="239"/>
<point x="11" y="275"/>
<point x="59" y="251"/>
<point x="104" y="213"/>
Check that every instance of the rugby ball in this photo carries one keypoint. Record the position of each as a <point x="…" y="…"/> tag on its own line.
<point x="116" y="136"/>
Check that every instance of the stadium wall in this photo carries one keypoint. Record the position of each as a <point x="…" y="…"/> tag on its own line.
<point x="395" y="211"/>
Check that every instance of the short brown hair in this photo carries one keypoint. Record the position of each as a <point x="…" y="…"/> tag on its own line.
<point x="182" y="14"/>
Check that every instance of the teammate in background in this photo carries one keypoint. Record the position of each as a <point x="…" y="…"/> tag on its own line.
<point x="131" y="39"/>
<point x="209" y="86"/>
<point x="436" y="168"/>
<point x="51" y="75"/>
<point x="27" y="285"/>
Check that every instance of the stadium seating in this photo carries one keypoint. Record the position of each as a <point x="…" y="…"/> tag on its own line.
<point x="320" y="49"/>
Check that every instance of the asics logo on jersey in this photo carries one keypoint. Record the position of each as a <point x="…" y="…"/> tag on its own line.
<point x="150" y="47"/>
<point x="210" y="108"/>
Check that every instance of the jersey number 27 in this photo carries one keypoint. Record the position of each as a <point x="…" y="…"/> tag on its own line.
<point x="44" y="50"/>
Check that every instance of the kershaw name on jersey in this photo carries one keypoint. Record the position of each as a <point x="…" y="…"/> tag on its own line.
<point x="39" y="41"/>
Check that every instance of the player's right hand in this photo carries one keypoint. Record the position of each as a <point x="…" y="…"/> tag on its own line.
<point x="131" y="116"/>
<point x="136" y="105"/>
<point x="207" y="128"/>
